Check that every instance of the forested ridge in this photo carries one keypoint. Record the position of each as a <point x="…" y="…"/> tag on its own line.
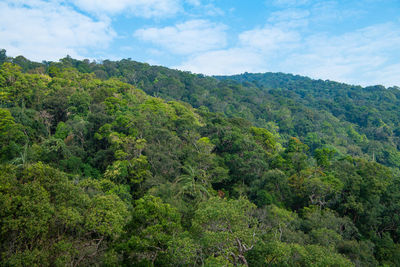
<point x="120" y="163"/>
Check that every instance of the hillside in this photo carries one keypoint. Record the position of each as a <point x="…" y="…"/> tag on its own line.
<point x="362" y="122"/>
<point x="120" y="163"/>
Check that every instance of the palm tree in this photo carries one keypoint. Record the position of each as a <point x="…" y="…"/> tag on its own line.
<point x="22" y="160"/>
<point x="193" y="183"/>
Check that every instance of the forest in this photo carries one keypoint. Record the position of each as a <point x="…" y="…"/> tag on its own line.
<point x="120" y="163"/>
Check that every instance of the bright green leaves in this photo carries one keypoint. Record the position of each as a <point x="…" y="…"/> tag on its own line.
<point x="206" y="163"/>
<point x="12" y="84"/>
<point x="266" y="139"/>
<point x="18" y="89"/>
<point x="79" y="103"/>
<point x="54" y="71"/>
<point x="152" y="232"/>
<point x="104" y="131"/>
<point x="158" y="107"/>
<point x="218" y="261"/>
<point x="310" y="240"/>
<point x="279" y="224"/>
<point x="295" y="156"/>
<point x="183" y="250"/>
<point x="277" y="253"/>
<point x="151" y="213"/>
<point x="364" y="184"/>
<point x="47" y="219"/>
<point x="358" y="138"/>
<point x="113" y="104"/>
<point x="131" y="167"/>
<point x="325" y="237"/>
<point x="101" y="90"/>
<point x="315" y="219"/>
<point x="172" y="115"/>
<point x="324" y="156"/>
<point x="62" y="131"/>
<point x="95" y="187"/>
<point x="11" y="136"/>
<point x="132" y="171"/>
<point x="295" y="145"/>
<point x="186" y="118"/>
<point x="27" y="214"/>
<point x="6" y="122"/>
<point x="106" y="215"/>
<point x="193" y="183"/>
<point x="226" y="228"/>
<point x="52" y="150"/>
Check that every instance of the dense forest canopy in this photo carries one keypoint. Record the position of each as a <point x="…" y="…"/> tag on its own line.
<point x="120" y="163"/>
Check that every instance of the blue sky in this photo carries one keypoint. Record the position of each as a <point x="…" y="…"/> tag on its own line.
<point x="356" y="42"/>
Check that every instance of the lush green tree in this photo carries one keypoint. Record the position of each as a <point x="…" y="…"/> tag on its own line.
<point x="48" y="220"/>
<point x="3" y="56"/>
<point x="12" y="137"/>
<point x="152" y="234"/>
<point x="277" y="253"/>
<point x="324" y="156"/>
<point x="226" y="228"/>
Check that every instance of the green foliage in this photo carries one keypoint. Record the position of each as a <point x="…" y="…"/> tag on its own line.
<point x="11" y="136"/>
<point x="48" y="220"/>
<point x="266" y="139"/>
<point x="151" y="232"/>
<point x="323" y="156"/>
<point x="281" y="254"/>
<point x="3" y="56"/>
<point x="248" y="170"/>
<point x="226" y="228"/>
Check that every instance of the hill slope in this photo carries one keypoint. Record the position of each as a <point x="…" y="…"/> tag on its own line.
<point x="362" y="122"/>
<point x="258" y="170"/>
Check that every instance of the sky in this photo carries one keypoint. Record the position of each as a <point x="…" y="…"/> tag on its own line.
<point x="356" y="42"/>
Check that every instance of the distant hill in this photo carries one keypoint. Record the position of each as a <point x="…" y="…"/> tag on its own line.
<point x="355" y="120"/>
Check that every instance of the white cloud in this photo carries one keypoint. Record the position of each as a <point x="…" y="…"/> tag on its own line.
<point x="43" y="30"/>
<point x="186" y="38"/>
<point x="254" y="52"/>
<point x="290" y="18"/>
<point x="289" y="14"/>
<point x="291" y="3"/>
<point x="365" y="56"/>
<point x="202" y="8"/>
<point x="140" y="8"/>
<point x="269" y="39"/>
<point x="389" y="74"/>
<point x="325" y="11"/>
<point x="224" y="62"/>
<point x="212" y="10"/>
<point x="194" y="2"/>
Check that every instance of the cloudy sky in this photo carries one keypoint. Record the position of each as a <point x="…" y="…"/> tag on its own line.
<point x="357" y="42"/>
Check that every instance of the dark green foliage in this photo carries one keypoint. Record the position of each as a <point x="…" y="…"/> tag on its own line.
<point x="3" y="56"/>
